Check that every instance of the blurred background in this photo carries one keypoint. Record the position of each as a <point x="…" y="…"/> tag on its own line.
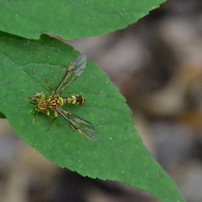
<point x="157" y="65"/>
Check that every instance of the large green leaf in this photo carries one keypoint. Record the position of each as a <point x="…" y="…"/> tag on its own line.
<point x="118" y="154"/>
<point x="71" y="18"/>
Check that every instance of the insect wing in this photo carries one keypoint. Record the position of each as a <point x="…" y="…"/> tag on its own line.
<point x="83" y="127"/>
<point x="74" y="71"/>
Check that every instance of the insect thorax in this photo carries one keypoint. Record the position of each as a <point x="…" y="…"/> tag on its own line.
<point x="55" y="102"/>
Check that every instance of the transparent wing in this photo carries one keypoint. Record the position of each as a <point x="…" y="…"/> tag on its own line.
<point x="72" y="73"/>
<point x="83" y="127"/>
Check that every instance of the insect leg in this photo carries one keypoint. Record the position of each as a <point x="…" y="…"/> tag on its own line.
<point x="30" y="102"/>
<point x="50" y="124"/>
<point x="34" y="117"/>
<point x="56" y="116"/>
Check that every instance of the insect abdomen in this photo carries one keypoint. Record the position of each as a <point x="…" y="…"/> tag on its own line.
<point x="74" y="99"/>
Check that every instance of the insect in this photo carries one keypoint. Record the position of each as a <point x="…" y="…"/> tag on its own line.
<point x="55" y="101"/>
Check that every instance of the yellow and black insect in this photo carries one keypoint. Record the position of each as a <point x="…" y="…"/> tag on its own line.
<point x="55" y="101"/>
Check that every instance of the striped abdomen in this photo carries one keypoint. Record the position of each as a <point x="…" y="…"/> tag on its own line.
<point x="74" y="99"/>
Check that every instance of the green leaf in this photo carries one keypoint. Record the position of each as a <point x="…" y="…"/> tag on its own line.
<point x="118" y="154"/>
<point x="70" y="19"/>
